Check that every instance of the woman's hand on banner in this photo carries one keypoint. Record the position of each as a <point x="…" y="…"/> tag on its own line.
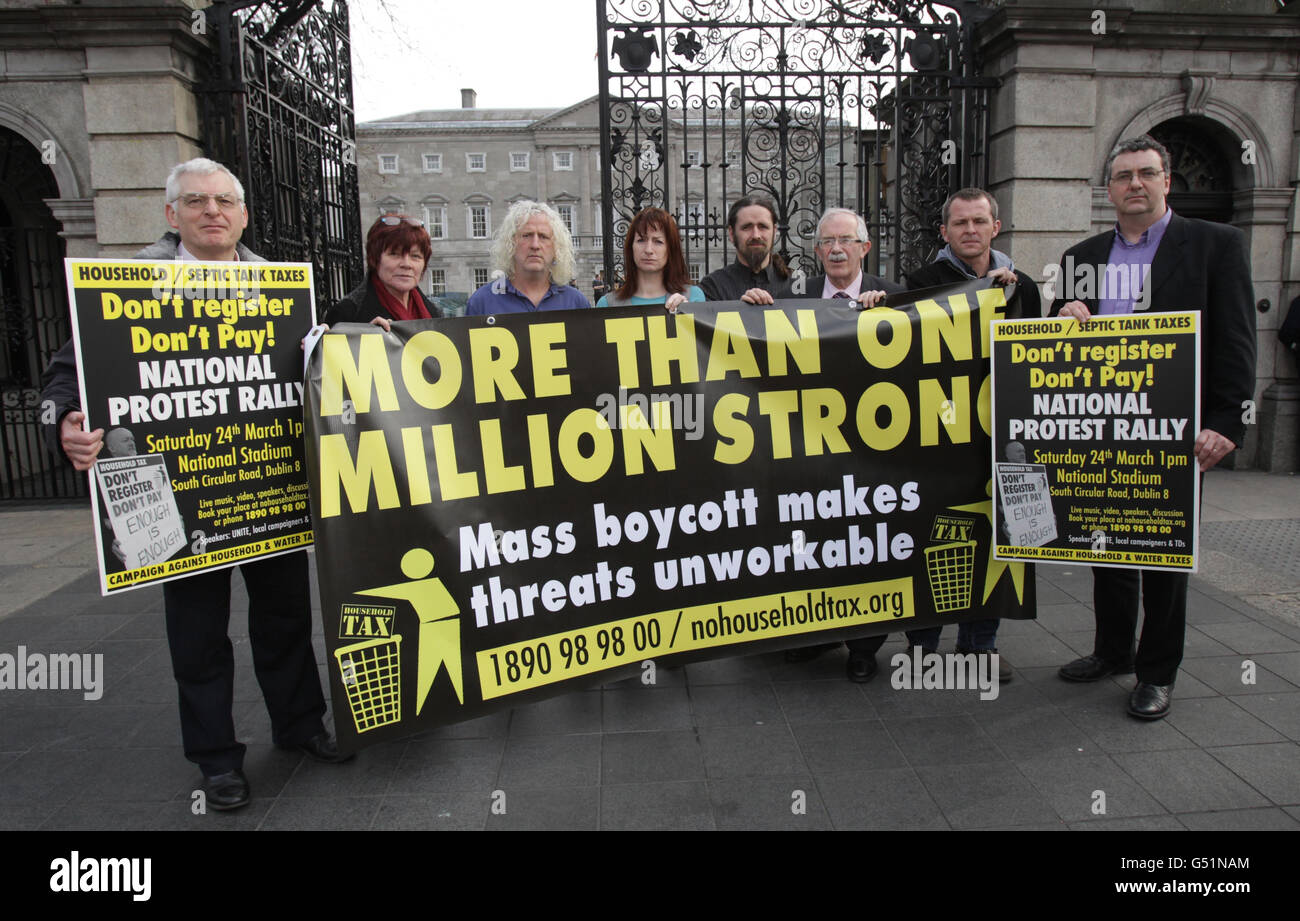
<point x="1210" y="448"/>
<point x="674" y="301"/>
<point x="81" y="447"/>
<point x="383" y="323"/>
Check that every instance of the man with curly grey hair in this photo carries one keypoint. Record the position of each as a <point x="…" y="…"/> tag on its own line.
<point x="532" y="249"/>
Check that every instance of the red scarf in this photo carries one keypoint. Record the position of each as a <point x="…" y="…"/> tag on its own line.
<point x="396" y="309"/>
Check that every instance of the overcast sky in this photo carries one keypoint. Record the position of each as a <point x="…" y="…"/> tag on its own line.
<point x="515" y="53"/>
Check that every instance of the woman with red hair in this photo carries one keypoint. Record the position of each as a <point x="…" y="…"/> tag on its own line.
<point x="397" y="250"/>
<point x="656" y="269"/>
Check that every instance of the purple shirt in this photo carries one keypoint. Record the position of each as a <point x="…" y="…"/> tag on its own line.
<point x="509" y="299"/>
<point x="1128" y="266"/>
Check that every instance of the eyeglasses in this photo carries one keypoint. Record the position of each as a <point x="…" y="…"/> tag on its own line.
<point x="199" y="202"/>
<point x="393" y="220"/>
<point x="828" y="242"/>
<point x="1148" y="174"/>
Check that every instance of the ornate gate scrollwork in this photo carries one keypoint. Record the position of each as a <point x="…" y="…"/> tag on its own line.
<point x="874" y="105"/>
<point x="277" y="109"/>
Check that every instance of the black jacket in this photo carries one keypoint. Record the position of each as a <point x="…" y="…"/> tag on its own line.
<point x="1198" y="266"/>
<point x="814" y="284"/>
<point x="361" y="305"/>
<point x="730" y="282"/>
<point x="1025" y="302"/>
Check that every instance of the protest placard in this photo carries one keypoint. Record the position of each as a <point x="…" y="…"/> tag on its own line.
<point x="1094" y="427"/>
<point x="194" y="372"/>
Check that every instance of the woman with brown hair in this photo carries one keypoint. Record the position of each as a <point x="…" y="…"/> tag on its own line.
<point x="655" y="266"/>
<point x="397" y="251"/>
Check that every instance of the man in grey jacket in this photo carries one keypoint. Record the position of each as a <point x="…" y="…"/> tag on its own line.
<point x="205" y="208"/>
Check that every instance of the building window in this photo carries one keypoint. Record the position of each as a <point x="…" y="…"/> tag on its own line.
<point x="480" y="277"/>
<point x="694" y="271"/>
<point x="694" y="218"/>
<point x="596" y="227"/>
<point x="693" y="158"/>
<point x="519" y="162"/>
<point x="563" y="159"/>
<point x="435" y="219"/>
<point x="388" y="163"/>
<point x="433" y="163"/>
<point x="479" y="223"/>
<point x="475" y="162"/>
<point x="437" y="282"/>
<point x="565" y="210"/>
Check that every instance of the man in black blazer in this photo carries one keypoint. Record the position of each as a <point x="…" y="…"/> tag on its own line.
<point x="1186" y="265"/>
<point x="842" y="244"/>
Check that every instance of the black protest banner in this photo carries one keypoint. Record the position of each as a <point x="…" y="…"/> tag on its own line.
<point x="1094" y="432"/>
<point x="509" y="507"/>
<point x="194" y="372"/>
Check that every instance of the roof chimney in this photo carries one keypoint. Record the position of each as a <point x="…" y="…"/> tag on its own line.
<point x="468" y="98"/>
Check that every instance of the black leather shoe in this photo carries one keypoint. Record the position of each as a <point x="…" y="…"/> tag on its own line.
<point x="1150" y="701"/>
<point x="1093" y="668"/>
<point x="226" y="791"/>
<point x="807" y="653"/>
<point x="861" y="667"/>
<point x="320" y="747"/>
<point x="1004" y="667"/>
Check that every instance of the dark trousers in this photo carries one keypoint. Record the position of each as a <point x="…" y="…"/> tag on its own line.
<point x="203" y="661"/>
<point x="1164" y="602"/>
<point x="870" y="645"/>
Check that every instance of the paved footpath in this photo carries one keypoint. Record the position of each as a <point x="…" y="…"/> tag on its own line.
<point x="734" y="743"/>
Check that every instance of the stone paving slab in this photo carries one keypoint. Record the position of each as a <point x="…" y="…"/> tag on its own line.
<point x="740" y="743"/>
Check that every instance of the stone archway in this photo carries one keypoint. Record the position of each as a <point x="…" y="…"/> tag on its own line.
<point x="1200" y="151"/>
<point x="33" y="317"/>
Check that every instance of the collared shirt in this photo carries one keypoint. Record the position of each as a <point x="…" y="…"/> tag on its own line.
<point x="853" y="290"/>
<point x="1128" y="266"/>
<point x="509" y="299"/>
<point x="729" y="283"/>
<point x="184" y="255"/>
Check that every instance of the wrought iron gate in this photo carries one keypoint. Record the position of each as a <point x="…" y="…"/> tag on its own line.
<point x="277" y="109"/>
<point x="873" y="105"/>
<point x="33" y="323"/>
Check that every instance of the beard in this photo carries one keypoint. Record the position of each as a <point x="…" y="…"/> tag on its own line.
<point x="754" y="256"/>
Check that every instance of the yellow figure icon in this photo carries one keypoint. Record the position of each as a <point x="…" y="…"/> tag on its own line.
<point x="439" y="618"/>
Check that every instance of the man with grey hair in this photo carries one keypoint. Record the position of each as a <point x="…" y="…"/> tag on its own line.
<point x="532" y="248"/>
<point x="1181" y="264"/>
<point x="842" y="244"/>
<point x="205" y="208"/>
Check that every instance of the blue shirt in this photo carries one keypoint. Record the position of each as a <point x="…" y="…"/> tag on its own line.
<point x="1128" y="267"/>
<point x="695" y="293"/>
<point x="485" y="300"/>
